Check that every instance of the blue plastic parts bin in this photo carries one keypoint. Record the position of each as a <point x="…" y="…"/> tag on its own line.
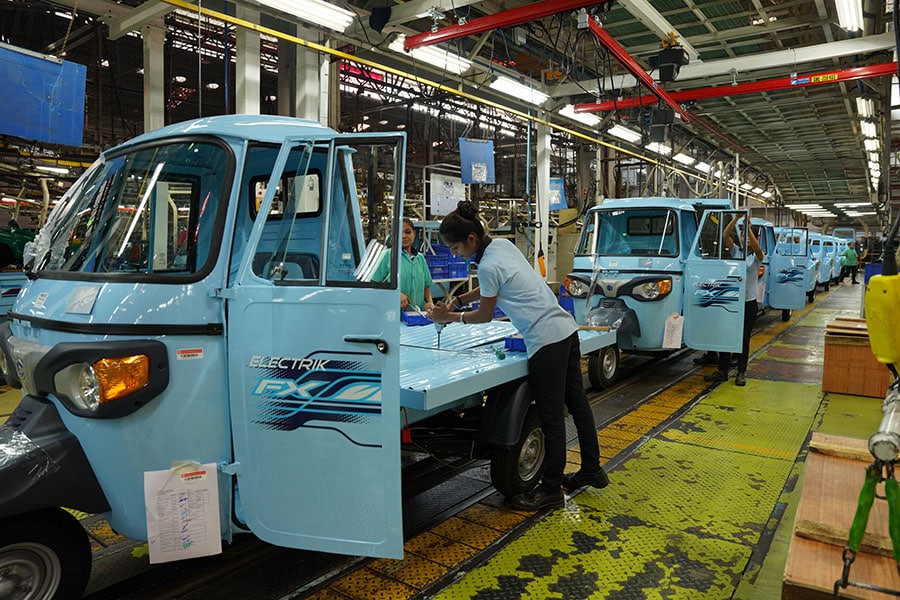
<point x="514" y="343"/>
<point x="411" y="317"/>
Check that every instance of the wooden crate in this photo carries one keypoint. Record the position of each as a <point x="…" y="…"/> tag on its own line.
<point x="850" y="367"/>
<point x="821" y="528"/>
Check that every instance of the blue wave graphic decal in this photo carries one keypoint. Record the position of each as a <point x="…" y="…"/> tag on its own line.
<point x="340" y="393"/>
<point x="717" y="293"/>
<point x="792" y="275"/>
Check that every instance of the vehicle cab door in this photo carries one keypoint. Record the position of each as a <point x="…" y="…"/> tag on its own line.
<point x="787" y="285"/>
<point x="314" y="346"/>
<point x="715" y="283"/>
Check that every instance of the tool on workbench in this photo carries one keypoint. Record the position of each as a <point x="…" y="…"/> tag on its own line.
<point x="439" y="327"/>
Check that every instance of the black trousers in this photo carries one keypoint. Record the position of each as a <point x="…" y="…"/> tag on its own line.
<point x="853" y="270"/>
<point x="554" y="373"/>
<point x="750" y="309"/>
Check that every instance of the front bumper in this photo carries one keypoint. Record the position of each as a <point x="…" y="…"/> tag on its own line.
<point x="42" y="464"/>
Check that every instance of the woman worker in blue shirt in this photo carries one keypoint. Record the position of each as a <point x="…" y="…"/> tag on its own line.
<point x="551" y="339"/>
<point x="415" y="278"/>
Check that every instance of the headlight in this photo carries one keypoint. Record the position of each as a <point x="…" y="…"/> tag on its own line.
<point x="103" y="380"/>
<point x="652" y="290"/>
<point x="106" y="380"/>
<point x="576" y="287"/>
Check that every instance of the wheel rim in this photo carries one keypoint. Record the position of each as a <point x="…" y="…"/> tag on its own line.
<point x="531" y="456"/>
<point x="609" y="364"/>
<point x="29" y="571"/>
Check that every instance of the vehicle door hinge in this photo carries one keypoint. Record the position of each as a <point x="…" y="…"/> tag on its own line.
<point x="226" y="293"/>
<point x="230" y="468"/>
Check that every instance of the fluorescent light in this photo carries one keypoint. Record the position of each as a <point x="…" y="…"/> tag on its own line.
<point x="874" y="157"/>
<point x="435" y="56"/>
<point x="702" y="166"/>
<point x="517" y="90"/>
<point x="849" y="14"/>
<point x="56" y="170"/>
<point x="623" y="133"/>
<point x="797" y="206"/>
<point x="861" y="214"/>
<point x="865" y="107"/>
<point x="756" y="190"/>
<point x="746" y="186"/>
<point x="658" y="148"/>
<point x="766" y="194"/>
<point x="684" y="159"/>
<point x="868" y="129"/>
<point x="589" y="119"/>
<point x="851" y="204"/>
<point x="316" y="12"/>
<point x="872" y="145"/>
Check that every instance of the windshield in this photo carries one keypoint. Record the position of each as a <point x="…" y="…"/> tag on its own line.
<point x="643" y="232"/>
<point x="151" y="210"/>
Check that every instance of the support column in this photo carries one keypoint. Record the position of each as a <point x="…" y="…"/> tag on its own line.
<point x="154" y="40"/>
<point x="247" y="69"/>
<point x="312" y="81"/>
<point x="542" y="190"/>
<point x="287" y="77"/>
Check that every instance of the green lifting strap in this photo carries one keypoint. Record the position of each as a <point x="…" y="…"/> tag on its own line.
<point x="892" y="493"/>
<point x="866" y="498"/>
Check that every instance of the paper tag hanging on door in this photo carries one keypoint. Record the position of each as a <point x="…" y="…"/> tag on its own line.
<point x="182" y="511"/>
<point x="673" y="331"/>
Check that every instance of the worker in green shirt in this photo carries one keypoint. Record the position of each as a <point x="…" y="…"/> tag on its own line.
<point x="415" y="278"/>
<point x="850" y="263"/>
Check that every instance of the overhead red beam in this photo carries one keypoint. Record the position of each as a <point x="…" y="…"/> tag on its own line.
<point x="507" y="18"/>
<point x="753" y="87"/>
<point x="633" y="67"/>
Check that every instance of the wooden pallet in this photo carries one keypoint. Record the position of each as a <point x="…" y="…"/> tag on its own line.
<point x="827" y="505"/>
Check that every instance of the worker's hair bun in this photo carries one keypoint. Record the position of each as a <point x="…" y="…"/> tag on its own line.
<point x="467" y="209"/>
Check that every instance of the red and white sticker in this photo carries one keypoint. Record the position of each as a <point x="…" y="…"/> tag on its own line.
<point x="189" y="354"/>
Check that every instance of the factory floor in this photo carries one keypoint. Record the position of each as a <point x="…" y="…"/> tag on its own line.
<point x="701" y="504"/>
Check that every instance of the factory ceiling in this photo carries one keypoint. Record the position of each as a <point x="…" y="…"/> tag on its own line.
<point x="772" y="92"/>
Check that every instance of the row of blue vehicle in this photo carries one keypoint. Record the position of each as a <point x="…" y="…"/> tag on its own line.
<point x="644" y="263"/>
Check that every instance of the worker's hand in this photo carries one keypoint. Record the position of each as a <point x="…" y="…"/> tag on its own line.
<point x="429" y="306"/>
<point x="404" y="301"/>
<point x="440" y="313"/>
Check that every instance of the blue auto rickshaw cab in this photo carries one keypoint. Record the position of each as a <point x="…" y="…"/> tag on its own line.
<point x="203" y="295"/>
<point x="794" y="242"/>
<point x="823" y="249"/>
<point x="628" y="267"/>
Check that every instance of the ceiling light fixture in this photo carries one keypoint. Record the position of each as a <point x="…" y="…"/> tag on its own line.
<point x="588" y="119"/>
<point x="434" y="55"/>
<point x="766" y="194"/>
<point x="849" y="14"/>
<point x="659" y="148"/>
<point x="871" y="145"/>
<point x="54" y="170"/>
<point x="865" y="107"/>
<point x="623" y="133"/>
<point x="684" y="159"/>
<point x="316" y="12"/>
<point x="756" y="190"/>
<point x="702" y="166"/>
<point x="515" y="89"/>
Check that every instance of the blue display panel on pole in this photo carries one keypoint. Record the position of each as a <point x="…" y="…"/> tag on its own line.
<point x="43" y="97"/>
<point x="558" y="194"/>
<point x="476" y="159"/>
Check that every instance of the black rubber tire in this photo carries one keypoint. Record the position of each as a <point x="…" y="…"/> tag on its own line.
<point x="603" y="367"/>
<point x="826" y="285"/>
<point x="785" y="315"/>
<point x="519" y="468"/>
<point x="46" y="551"/>
<point x="811" y="296"/>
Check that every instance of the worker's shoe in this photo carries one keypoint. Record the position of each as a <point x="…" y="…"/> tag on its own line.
<point x="740" y="379"/>
<point x="855" y="282"/>
<point x="538" y="498"/>
<point x="581" y="479"/>
<point x="716" y="376"/>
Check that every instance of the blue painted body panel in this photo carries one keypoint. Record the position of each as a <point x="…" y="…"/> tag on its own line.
<point x="470" y="360"/>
